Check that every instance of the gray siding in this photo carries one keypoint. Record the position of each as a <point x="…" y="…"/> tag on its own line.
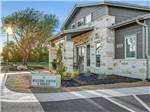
<point x="122" y="14"/>
<point x="97" y="12"/>
<point x="119" y="39"/>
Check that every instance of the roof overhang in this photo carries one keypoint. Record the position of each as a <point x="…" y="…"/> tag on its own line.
<point x="111" y="3"/>
<point x="129" y="21"/>
<point x="74" y="32"/>
<point x="78" y="30"/>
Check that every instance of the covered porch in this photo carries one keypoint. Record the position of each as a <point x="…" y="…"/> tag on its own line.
<point x="76" y="48"/>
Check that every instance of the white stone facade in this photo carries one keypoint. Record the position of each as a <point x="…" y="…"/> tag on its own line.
<point x="68" y="55"/>
<point x="106" y="51"/>
<point x="52" y="56"/>
<point x="135" y="68"/>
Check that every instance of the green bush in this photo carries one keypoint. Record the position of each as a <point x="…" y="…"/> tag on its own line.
<point x="70" y="75"/>
<point x="61" y="69"/>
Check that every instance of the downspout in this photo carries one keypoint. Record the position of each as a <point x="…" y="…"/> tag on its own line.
<point x="146" y="39"/>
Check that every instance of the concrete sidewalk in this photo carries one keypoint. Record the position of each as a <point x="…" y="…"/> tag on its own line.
<point x="11" y="96"/>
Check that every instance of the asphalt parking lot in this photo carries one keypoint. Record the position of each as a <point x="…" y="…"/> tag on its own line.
<point x="133" y="103"/>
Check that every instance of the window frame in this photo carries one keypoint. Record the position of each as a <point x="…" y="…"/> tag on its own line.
<point x="73" y="24"/>
<point x="97" y="54"/>
<point x="88" y="50"/>
<point x="125" y="39"/>
<point x="82" y="19"/>
<point x="86" y="18"/>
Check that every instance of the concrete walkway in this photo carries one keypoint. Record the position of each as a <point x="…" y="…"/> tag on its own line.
<point x="11" y="96"/>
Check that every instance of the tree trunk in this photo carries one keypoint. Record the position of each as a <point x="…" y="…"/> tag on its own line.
<point x="24" y="58"/>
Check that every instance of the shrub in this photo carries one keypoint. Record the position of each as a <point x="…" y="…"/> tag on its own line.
<point x="61" y="69"/>
<point x="54" y="64"/>
<point x="70" y="75"/>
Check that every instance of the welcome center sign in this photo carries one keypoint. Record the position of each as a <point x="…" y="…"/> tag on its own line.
<point x="45" y="80"/>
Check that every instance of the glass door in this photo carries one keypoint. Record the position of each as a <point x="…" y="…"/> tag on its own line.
<point x="80" y="58"/>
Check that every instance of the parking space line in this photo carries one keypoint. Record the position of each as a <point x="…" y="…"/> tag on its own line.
<point x="114" y="102"/>
<point x="90" y="101"/>
<point x="118" y="104"/>
<point x="141" y="102"/>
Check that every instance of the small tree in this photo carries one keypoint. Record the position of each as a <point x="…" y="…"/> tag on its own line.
<point x="60" y="65"/>
<point x="30" y="29"/>
<point x="10" y="52"/>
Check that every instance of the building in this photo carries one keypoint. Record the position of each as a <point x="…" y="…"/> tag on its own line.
<point x="106" y="38"/>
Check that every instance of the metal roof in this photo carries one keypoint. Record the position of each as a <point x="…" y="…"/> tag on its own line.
<point x="112" y="3"/>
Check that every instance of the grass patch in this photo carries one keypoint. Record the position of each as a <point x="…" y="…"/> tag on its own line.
<point x="38" y="65"/>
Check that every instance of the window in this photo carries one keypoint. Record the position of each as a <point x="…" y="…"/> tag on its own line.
<point x="130" y="46"/>
<point x="68" y="37"/>
<point x="80" y="22"/>
<point x="73" y="26"/>
<point x="52" y="44"/>
<point x="81" y="54"/>
<point x="98" y="46"/>
<point x="88" y="55"/>
<point x="88" y="18"/>
<point x="98" y="54"/>
<point x="83" y="51"/>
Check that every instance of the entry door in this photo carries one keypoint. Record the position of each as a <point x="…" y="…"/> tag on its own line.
<point x="80" y="55"/>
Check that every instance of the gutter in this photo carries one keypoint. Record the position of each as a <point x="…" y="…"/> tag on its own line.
<point x="145" y="33"/>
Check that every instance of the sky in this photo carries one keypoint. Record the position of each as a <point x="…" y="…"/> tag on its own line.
<point x="60" y="8"/>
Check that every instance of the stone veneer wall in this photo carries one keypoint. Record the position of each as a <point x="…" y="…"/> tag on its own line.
<point x="135" y="68"/>
<point x="68" y="55"/>
<point x="52" y="55"/>
<point x="106" y="38"/>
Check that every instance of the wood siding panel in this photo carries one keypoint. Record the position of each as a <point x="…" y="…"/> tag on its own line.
<point x="97" y="12"/>
<point x="122" y="14"/>
<point x="119" y="39"/>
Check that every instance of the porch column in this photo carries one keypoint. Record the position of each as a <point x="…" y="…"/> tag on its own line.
<point x="52" y="55"/>
<point x="85" y="58"/>
<point x="68" y="52"/>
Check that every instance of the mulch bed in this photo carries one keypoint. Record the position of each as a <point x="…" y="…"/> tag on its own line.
<point x="93" y="79"/>
<point x="21" y="83"/>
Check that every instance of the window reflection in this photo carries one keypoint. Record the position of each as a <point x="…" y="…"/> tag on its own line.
<point x="98" y="54"/>
<point x="130" y="46"/>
